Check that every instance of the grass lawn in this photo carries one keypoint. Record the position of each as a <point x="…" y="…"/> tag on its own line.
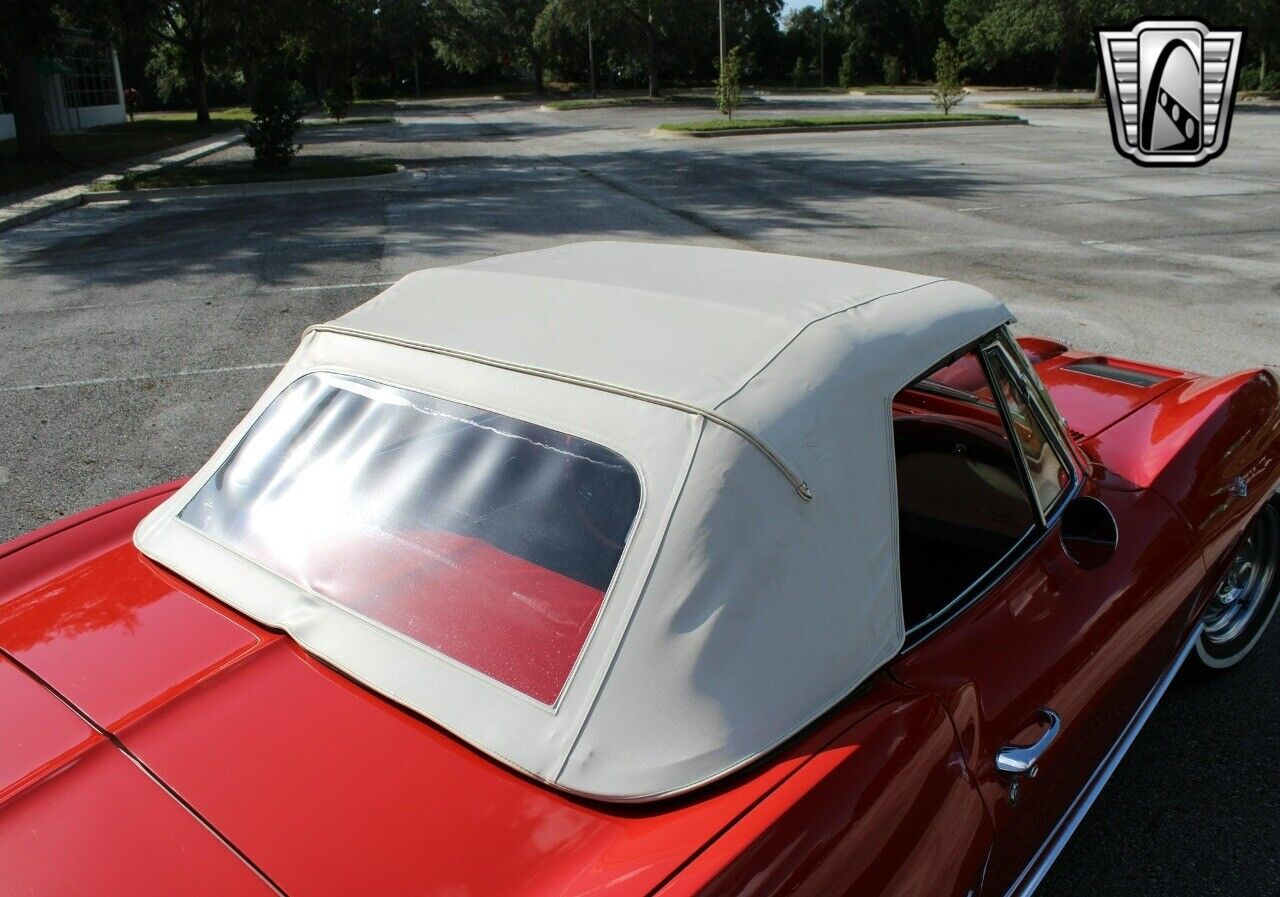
<point x="219" y="119"/>
<point x="826" y="121"/>
<point x="302" y="168"/>
<point x="95" y="147"/>
<point x="605" y="103"/>
<point x="1048" y="102"/>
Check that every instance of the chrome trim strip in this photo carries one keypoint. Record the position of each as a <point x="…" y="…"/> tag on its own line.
<point x="989" y="364"/>
<point x="1048" y="853"/>
<point x="1053" y="430"/>
<point x="801" y="487"/>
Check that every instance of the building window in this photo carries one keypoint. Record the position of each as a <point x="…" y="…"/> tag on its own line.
<point x="92" y="81"/>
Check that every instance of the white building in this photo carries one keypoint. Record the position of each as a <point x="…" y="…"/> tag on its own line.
<point x="81" y="89"/>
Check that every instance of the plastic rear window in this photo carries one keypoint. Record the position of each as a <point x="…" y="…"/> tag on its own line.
<point x="485" y="538"/>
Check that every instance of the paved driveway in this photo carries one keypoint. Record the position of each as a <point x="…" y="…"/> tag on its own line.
<point x="133" y="335"/>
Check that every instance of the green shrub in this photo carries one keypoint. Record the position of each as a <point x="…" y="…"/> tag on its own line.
<point x="799" y="72"/>
<point x="845" y="74"/>
<point x="892" y="71"/>
<point x="729" y="84"/>
<point x="1250" y="79"/>
<point x="277" y="115"/>
<point x="948" y="88"/>
<point x="337" y="102"/>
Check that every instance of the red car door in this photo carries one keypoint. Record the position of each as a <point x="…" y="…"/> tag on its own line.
<point x="1041" y="658"/>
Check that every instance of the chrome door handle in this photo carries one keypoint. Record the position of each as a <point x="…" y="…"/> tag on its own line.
<point x="1023" y="761"/>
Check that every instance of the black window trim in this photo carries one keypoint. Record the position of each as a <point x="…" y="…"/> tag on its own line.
<point x="1038" y="531"/>
<point x="1006" y="415"/>
<point x="1051" y="423"/>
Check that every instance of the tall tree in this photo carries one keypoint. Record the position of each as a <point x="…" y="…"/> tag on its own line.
<point x="568" y="32"/>
<point x="474" y="35"/>
<point x="646" y="18"/>
<point x="27" y="31"/>
<point x="1262" y="18"/>
<point x="991" y="32"/>
<point x="404" y="30"/>
<point x="31" y="37"/>
<point x="196" y="30"/>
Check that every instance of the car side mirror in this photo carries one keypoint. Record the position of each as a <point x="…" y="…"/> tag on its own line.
<point x="1088" y="532"/>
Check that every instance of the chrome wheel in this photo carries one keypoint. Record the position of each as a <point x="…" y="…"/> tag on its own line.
<point x="1245" y="599"/>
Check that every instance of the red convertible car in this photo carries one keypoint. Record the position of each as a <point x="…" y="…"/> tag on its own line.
<point x="622" y="569"/>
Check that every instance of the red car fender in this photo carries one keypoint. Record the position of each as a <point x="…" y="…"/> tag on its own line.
<point x="36" y="556"/>
<point x="1210" y="447"/>
<point x="886" y="808"/>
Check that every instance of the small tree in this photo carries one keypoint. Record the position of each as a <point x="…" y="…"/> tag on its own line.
<point x="277" y="115"/>
<point x="892" y="68"/>
<point x="948" y="88"/>
<point x="799" y="72"/>
<point x="337" y="102"/>
<point x="845" y="75"/>
<point x="729" y="84"/>
<point x="131" y="102"/>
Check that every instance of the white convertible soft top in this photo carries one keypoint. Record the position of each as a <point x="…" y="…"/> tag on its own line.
<point x="751" y="394"/>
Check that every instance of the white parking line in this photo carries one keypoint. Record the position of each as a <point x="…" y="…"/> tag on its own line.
<point x="96" y="381"/>
<point x="298" y="289"/>
<point x="1171" y="197"/>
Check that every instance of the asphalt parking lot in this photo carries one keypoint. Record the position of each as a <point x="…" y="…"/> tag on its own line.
<point x="133" y="335"/>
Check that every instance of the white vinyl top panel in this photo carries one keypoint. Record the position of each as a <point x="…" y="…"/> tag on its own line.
<point x="686" y="322"/>
<point x="739" y="612"/>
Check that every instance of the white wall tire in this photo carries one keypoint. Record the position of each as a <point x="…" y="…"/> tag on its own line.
<point x="1246" y="598"/>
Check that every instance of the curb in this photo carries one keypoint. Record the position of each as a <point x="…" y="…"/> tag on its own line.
<point x="828" y="129"/>
<point x="659" y="103"/>
<point x="80" y="197"/>
<point x="43" y="211"/>
<point x="923" y="92"/>
<point x="996" y="104"/>
<point x="400" y="177"/>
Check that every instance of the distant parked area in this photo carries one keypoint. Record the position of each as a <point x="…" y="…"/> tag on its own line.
<point x="289" y="59"/>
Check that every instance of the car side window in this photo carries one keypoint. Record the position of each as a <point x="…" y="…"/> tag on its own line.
<point x="1048" y="475"/>
<point x="962" y="503"/>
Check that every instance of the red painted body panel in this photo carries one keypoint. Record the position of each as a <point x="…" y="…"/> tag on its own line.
<point x="1091" y="403"/>
<point x="36" y="557"/>
<point x="1087" y="644"/>
<point x="39" y="735"/>
<point x="77" y="817"/>
<point x="102" y="827"/>
<point x="1192" y="442"/>
<point x="118" y="616"/>
<point x="336" y="791"/>
<point x="886" y="809"/>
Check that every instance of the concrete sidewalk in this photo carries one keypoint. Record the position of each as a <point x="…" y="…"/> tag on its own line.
<point x="74" y="188"/>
